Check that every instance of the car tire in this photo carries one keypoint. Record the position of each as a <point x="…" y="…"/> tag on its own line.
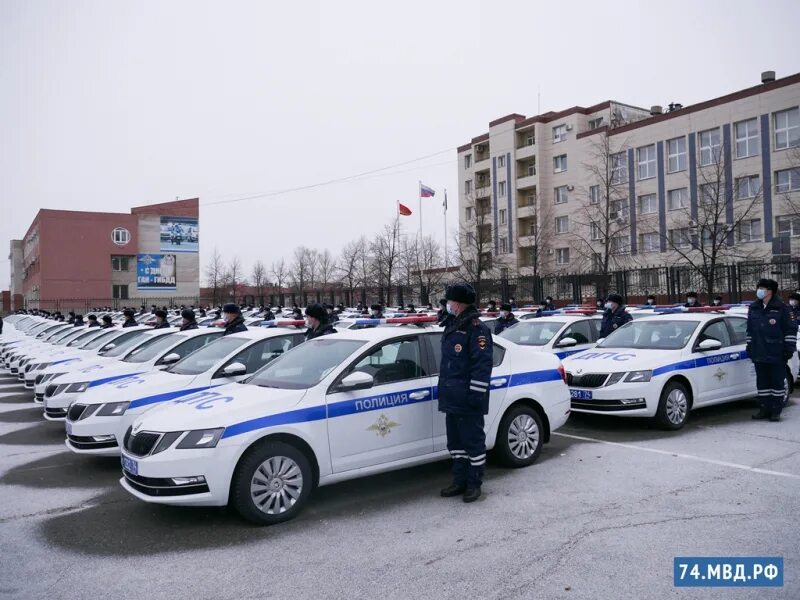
<point x="272" y="483"/>
<point x="519" y="437"/>
<point x="673" y="406"/>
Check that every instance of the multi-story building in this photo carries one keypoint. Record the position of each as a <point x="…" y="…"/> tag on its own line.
<point x="15" y="287"/>
<point x="68" y="259"/>
<point x="612" y="185"/>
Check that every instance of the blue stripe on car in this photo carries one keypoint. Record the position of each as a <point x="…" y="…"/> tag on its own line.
<point x="165" y="396"/>
<point x="105" y="380"/>
<point x="696" y="363"/>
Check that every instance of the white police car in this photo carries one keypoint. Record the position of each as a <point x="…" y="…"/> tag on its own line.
<point x="111" y="353"/>
<point x="156" y="353"/>
<point x="334" y="408"/>
<point x="666" y="365"/>
<point x="562" y="335"/>
<point x="16" y="351"/>
<point x="97" y="422"/>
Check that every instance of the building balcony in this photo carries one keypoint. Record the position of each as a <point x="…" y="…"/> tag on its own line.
<point x="526" y="151"/>
<point x="526" y="182"/>
<point x="526" y="241"/>
<point x="526" y="211"/>
<point x="484" y="191"/>
<point x="482" y="164"/>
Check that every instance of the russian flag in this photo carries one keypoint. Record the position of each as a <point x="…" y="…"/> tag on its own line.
<point x="425" y="191"/>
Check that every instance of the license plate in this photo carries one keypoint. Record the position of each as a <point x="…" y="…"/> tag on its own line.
<point x="580" y="394"/>
<point x="69" y="428"/>
<point x="130" y="465"/>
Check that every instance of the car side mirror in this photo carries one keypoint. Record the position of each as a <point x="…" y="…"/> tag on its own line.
<point x="709" y="344"/>
<point x="234" y="369"/>
<point x="358" y="380"/>
<point x="566" y="342"/>
<point x="170" y="358"/>
<point x="108" y="347"/>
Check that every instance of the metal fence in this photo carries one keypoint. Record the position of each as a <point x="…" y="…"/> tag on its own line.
<point x="87" y="305"/>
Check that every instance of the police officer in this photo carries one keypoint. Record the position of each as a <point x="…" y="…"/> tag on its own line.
<point x="129" y="320"/>
<point x="332" y="316"/>
<point x="491" y="306"/>
<point x="71" y="320"/>
<point x="464" y="375"/>
<point x="691" y="300"/>
<point x="376" y="311"/>
<point x="615" y="315"/>
<point x="107" y="323"/>
<point x="78" y="321"/>
<point x="771" y="341"/>
<point x="441" y="314"/>
<point x="549" y="303"/>
<point x="93" y="322"/>
<point x="317" y="322"/>
<point x="505" y="320"/>
<point x="411" y="310"/>
<point x="651" y="300"/>
<point x="234" y="321"/>
<point x="161" y="319"/>
<point x="794" y="308"/>
<point x="717" y="301"/>
<point x="188" y="320"/>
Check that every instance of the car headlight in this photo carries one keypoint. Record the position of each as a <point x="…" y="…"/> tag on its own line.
<point x="638" y="376"/>
<point x="201" y="438"/>
<point x="113" y="409"/>
<point x="614" y="378"/>
<point x="75" y="388"/>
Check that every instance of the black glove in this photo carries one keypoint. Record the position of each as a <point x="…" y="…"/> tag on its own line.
<point x="787" y="355"/>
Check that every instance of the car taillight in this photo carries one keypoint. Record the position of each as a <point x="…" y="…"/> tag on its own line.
<point x="562" y="372"/>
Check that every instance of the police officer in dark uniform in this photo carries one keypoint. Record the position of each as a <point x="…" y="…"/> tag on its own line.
<point x="651" y="300"/>
<point x="717" y="301"/>
<point x="93" y="321"/>
<point x="78" y="321"/>
<point x="794" y="308"/>
<point x="161" y="320"/>
<point x="317" y="322"/>
<point x="129" y="320"/>
<point x="188" y="320"/>
<point x="376" y="311"/>
<point x="464" y="376"/>
<point x="615" y="315"/>
<point x="505" y="320"/>
<point x="234" y="321"/>
<point x="107" y="323"/>
<point x="771" y="342"/>
<point x="491" y="306"/>
<point x="549" y="303"/>
<point x="691" y="300"/>
<point x="332" y="316"/>
<point x="441" y="314"/>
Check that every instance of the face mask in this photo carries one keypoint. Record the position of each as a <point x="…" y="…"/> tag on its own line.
<point x="760" y="293"/>
<point x="690" y="301"/>
<point x="375" y="313"/>
<point x="651" y="302"/>
<point x="792" y="302"/>
<point x="450" y="309"/>
<point x="608" y="305"/>
<point x="504" y="314"/>
<point x="308" y="322"/>
<point x="717" y="302"/>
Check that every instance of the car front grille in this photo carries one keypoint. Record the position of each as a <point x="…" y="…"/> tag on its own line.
<point x="588" y="380"/>
<point x="606" y="405"/>
<point x="39" y="397"/>
<point x="75" y="411"/>
<point x="56" y="413"/>
<point x="159" y="486"/>
<point x="88" y="443"/>
<point x="142" y="443"/>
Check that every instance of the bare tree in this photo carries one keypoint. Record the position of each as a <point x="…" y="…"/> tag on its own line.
<point x="601" y="228"/>
<point x="423" y="264"/>
<point x="385" y="248"/>
<point x="348" y="266"/>
<point x="474" y="249"/>
<point x="215" y="275"/>
<point x="258" y="276"/>
<point x="234" y="277"/>
<point x="280" y="274"/>
<point x="717" y="228"/>
<point x="299" y="272"/>
<point x="365" y="268"/>
<point x="312" y="258"/>
<point x="536" y="237"/>
<point x="787" y="205"/>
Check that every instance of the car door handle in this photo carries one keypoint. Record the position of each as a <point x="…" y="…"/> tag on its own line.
<point x="419" y="395"/>
<point x="499" y="382"/>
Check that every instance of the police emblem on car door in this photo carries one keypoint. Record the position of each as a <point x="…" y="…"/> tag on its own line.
<point x="364" y="425"/>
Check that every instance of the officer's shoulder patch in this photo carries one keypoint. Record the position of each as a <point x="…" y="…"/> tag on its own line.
<point x="482" y="342"/>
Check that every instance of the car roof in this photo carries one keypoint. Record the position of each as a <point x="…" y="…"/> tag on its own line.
<point x="699" y="317"/>
<point x="379" y="333"/>
<point x="258" y="333"/>
<point x="559" y="318"/>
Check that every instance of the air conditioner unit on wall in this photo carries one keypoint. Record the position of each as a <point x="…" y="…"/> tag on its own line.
<point x="550" y="251"/>
<point x="569" y="127"/>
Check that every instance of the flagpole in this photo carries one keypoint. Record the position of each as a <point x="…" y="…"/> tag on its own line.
<point x="445" y="231"/>
<point x="420" y="211"/>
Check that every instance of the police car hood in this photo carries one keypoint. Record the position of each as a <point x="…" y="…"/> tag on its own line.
<point x="101" y="374"/>
<point x="611" y="360"/>
<point x="239" y="406"/>
<point x="143" y="388"/>
<point x="62" y="365"/>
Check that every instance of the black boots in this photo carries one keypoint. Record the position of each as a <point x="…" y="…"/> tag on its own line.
<point x="453" y="490"/>
<point x="472" y="494"/>
<point x="760" y="416"/>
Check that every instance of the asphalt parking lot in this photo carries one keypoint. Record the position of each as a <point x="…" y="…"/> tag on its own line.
<point x="600" y="515"/>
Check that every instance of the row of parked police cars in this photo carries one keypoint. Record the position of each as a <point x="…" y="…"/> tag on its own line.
<point x="258" y="419"/>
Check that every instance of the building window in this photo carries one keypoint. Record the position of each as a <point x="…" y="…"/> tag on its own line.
<point x="503" y="245"/>
<point x="648" y="242"/>
<point x="119" y="292"/>
<point x="471" y="266"/>
<point x="680" y="238"/>
<point x="746" y="133"/>
<point x="646" y="158"/>
<point x="619" y="209"/>
<point x="594" y="194"/>
<point x="120" y="236"/>
<point x="468" y="161"/>
<point x="501" y="189"/>
<point x="677" y="199"/>
<point x="468" y="186"/>
<point x="750" y="230"/>
<point x="619" y="168"/>
<point x="530" y="199"/>
<point x="709" y="194"/>
<point x="595" y="232"/>
<point x="676" y="155"/>
<point x="501" y="161"/>
<point x="788" y="225"/>
<point x="531" y="168"/>
<point x="562" y="224"/>
<point x="595" y="123"/>
<point x="530" y="140"/>
<point x="709" y="147"/>
<point x="468" y="213"/>
<point x="787" y="180"/>
<point x="502" y="216"/>
<point x="562" y="256"/>
<point x="648" y="204"/>
<point x="787" y="128"/>
<point x="621" y="244"/>
<point x="471" y="238"/>
<point x="560" y="163"/>
<point x="747" y="187"/>
<point x="119" y="263"/>
<point x="559" y="133"/>
<point x="560" y="194"/>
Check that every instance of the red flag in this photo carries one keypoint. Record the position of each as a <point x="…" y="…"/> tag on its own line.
<point x="404" y="210"/>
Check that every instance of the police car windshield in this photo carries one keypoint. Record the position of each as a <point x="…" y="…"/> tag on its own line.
<point x="72" y="335"/>
<point x="59" y="334"/>
<point x="206" y="357"/>
<point x="305" y="365"/>
<point x="85" y="337"/>
<point x="152" y="348"/>
<point x="48" y="331"/>
<point x="120" y="349"/>
<point x="533" y="333"/>
<point x="651" y="334"/>
<point x="93" y="341"/>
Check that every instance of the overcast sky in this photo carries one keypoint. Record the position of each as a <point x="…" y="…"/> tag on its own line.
<point x="108" y="104"/>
